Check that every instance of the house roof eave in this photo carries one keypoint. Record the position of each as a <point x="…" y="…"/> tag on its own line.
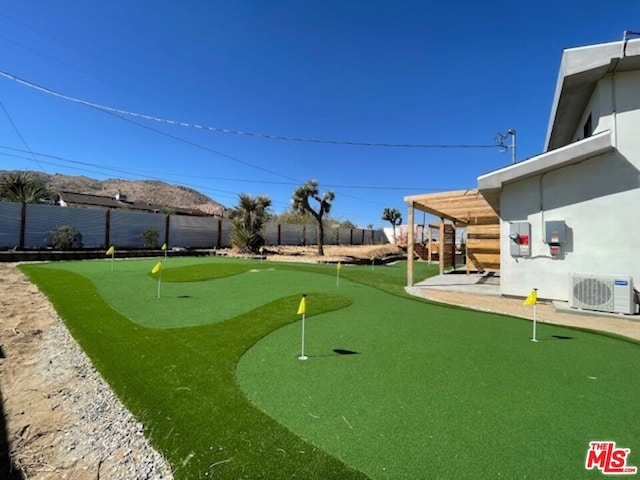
<point x="490" y="185"/>
<point x="580" y="70"/>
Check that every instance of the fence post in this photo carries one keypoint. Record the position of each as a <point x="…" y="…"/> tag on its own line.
<point x="167" y="223"/>
<point x="23" y="226"/>
<point x="107" y="228"/>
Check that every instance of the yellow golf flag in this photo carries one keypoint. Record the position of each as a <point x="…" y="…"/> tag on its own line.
<point x="157" y="268"/>
<point x="111" y="250"/>
<point x="532" y="299"/>
<point x="303" y="305"/>
<point x="339" y="267"/>
<point x="164" y="246"/>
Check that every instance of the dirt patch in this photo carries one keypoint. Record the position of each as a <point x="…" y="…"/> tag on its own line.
<point x="332" y="253"/>
<point x="61" y="418"/>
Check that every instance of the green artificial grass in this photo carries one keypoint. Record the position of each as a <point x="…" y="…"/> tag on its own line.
<point x="180" y="383"/>
<point x="429" y="392"/>
<point x="219" y="290"/>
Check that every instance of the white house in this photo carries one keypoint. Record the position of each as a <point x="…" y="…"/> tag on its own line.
<point x="575" y="209"/>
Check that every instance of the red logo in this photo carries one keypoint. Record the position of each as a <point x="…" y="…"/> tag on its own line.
<point x="609" y="459"/>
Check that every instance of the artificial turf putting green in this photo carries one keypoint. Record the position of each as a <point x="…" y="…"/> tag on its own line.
<point x="433" y="392"/>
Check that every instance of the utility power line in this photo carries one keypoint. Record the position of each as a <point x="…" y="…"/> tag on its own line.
<point x="144" y="173"/>
<point x="119" y="111"/>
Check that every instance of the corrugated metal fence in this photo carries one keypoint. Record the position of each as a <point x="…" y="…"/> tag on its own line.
<point x="28" y="227"/>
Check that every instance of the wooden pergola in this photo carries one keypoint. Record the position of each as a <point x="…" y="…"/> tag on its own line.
<point x="462" y="208"/>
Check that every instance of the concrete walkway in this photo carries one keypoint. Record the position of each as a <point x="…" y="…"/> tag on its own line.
<point x="482" y="292"/>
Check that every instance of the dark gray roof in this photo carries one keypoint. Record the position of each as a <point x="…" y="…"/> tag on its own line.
<point x="101" y="201"/>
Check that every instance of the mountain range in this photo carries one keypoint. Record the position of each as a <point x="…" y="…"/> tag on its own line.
<point x="153" y="192"/>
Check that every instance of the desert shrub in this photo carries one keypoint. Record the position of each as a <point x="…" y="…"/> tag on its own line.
<point x="248" y="220"/>
<point x="244" y="240"/>
<point x="65" y="237"/>
<point x="150" y="237"/>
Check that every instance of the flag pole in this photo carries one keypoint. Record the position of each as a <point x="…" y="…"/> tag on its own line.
<point x="338" y="268"/>
<point x="302" y="355"/>
<point x="111" y="251"/>
<point x="535" y="316"/>
<point x="534" y="339"/>
<point x="158" y="269"/>
<point x="302" y="309"/>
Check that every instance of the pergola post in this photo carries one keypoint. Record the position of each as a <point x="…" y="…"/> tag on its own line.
<point x="441" y="249"/>
<point x="410" y="242"/>
<point x="461" y="207"/>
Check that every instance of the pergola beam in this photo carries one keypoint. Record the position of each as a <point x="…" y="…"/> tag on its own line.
<point x="463" y="208"/>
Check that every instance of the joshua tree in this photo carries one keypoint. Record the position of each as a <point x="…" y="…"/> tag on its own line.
<point x="248" y="220"/>
<point x="23" y="187"/>
<point x="393" y="216"/>
<point x="300" y="203"/>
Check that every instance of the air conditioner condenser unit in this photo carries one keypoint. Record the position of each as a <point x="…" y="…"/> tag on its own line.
<point x="604" y="293"/>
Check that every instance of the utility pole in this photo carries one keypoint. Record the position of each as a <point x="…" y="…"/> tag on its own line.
<point x="499" y="141"/>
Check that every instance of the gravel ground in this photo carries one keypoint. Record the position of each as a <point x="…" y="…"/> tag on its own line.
<point x="62" y="419"/>
<point x="104" y="434"/>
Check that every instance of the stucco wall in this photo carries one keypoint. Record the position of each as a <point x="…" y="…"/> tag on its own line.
<point x="598" y="199"/>
<point x="617" y="93"/>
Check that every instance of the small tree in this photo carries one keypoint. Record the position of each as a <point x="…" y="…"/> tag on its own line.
<point x="248" y="220"/>
<point x="346" y="225"/>
<point x="23" y="187"/>
<point x="300" y="202"/>
<point x="65" y="237"/>
<point x="150" y="237"/>
<point x="393" y="216"/>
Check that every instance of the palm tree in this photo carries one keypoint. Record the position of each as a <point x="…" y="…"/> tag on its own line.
<point x="23" y="187"/>
<point x="248" y="220"/>
<point x="300" y="203"/>
<point x="393" y="216"/>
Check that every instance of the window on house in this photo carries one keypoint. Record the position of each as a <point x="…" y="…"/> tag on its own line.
<point x="587" y="129"/>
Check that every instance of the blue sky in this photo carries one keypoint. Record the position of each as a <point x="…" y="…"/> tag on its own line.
<point x="392" y="72"/>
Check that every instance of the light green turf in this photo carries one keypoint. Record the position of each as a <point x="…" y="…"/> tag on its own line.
<point x="234" y="288"/>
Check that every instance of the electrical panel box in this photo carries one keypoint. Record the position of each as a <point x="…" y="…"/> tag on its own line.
<point x="520" y="239"/>
<point x="555" y="232"/>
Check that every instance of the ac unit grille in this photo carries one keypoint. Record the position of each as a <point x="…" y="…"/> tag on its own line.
<point x="606" y="293"/>
<point x="592" y="292"/>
